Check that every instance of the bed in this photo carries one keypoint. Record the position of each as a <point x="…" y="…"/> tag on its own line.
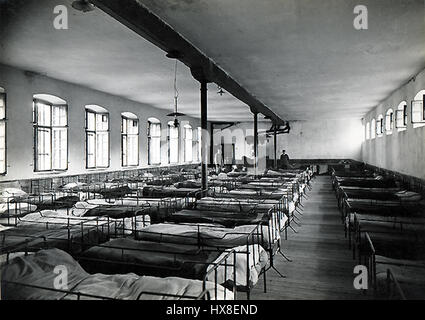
<point x="397" y="268"/>
<point x="32" y="277"/>
<point x="48" y="229"/>
<point x="171" y="259"/>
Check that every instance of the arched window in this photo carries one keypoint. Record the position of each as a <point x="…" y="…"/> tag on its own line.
<point x="154" y="141"/>
<point x="97" y="137"/>
<point x="173" y="143"/>
<point x="368" y="131"/>
<point x="129" y="139"/>
<point x="50" y="122"/>
<point x="380" y="126"/>
<point x="418" y="110"/>
<point x="389" y="121"/>
<point x="401" y="116"/>
<point x="3" y="157"/>
<point x="188" y="143"/>
<point x="373" y="129"/>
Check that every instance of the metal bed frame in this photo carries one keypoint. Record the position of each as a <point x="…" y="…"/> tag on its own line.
<point x="222" y="262"/>
<point x="255" y="238"/>
<point x="393" y="288"/>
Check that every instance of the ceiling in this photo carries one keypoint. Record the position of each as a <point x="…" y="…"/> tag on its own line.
<point x="301" y="58"/>
<point x="100" y="53"/>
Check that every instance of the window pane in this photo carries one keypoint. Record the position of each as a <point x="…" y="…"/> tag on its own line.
<point x="43" y="114"/>
<point x="133" y="150"/>
<point x="400" y="118"/>
<point x="124" y="150"/>
<point x="91" y="138"/>
<point x="154" y="150"/>
<point x="174" y="132"/>
<point x="2" y="106"/>
<point x="155" y="129"/>
<point x="60" y="154"/>
<point x="59" y="116"/>
<point x="133" y="127"/>
<point x="91" y="121"/>
<point x="102" y="149"/>
<point x="417" y="111"/>
<point x="174" y="150"/>
<point x="124" y="125"/>
<point x="43" y="149"/>
<point x="102" y="121"/>
<point x="188" y="155"/>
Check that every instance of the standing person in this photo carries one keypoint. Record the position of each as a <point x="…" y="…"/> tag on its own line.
<point x="284" y="159"/>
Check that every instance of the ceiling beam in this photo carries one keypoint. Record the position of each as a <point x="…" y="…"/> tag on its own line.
<point x="141" y="20"/>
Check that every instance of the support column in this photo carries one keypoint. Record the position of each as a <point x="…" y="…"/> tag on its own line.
<point x="204" y="142"/>
<point x="275" y="146"/>
<point x="211" y="142"/>
<point x="255" y="141"/>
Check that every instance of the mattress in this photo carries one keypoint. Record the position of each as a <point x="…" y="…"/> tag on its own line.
<point x="206" y="234"/>
<point x="226" y="219"/>
<point x="235" y="205"/>
<point x="168" y="192"/>
<point x="38" y="269"/>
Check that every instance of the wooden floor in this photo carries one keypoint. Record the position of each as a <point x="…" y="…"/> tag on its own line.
<point x="322" y="266"/>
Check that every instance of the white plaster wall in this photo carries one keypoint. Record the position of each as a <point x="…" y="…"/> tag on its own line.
<point x="20" y="87"/>
<point x="321" y="139"/>
<point x="403" y="151"/>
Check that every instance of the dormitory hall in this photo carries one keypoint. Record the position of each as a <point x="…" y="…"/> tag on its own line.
<point x="212" y="150"/>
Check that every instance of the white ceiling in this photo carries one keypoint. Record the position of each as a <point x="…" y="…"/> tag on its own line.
<point x="301" y="58"/>
<point x="100" y="53"/>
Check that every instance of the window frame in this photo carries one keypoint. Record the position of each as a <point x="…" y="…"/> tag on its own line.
<point x="389" y="119"/>
<point x="171" y="125"/>
<point x="126" y="134"/>
<point x="150" y="139"/>
<point x="3" y="120"/>
<point x="95" y="131"/>
<point x="403" y="116"/>
<point x="51" y="128"/>
<point x="185" y="142"/>
<point x="373" y="129"/>
<point x="423" y="110"/>
<point x="380" y="126"/>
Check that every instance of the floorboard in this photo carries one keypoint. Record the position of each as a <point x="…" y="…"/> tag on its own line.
<point x="322" y="266"/>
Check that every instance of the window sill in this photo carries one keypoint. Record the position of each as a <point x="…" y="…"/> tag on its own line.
<point x="50" y="172"/>
<point x="418" y="125"/>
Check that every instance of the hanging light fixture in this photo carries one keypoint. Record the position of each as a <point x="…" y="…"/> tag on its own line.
<point x="83" y="5"/>
<point x="220" y="91"/>
<point x="175" y="114"/>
